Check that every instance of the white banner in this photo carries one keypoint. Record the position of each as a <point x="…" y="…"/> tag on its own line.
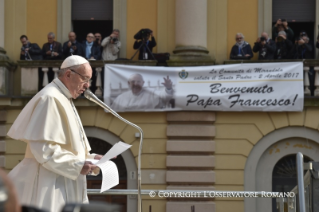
<point x="238" y="87"/>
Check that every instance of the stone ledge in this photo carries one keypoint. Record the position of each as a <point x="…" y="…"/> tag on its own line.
<point x="2" y="146"/>
<point x="3" y="130"/>
<point x="194" y="177"/>
<point x="195" y="188"/>
<point x="2" y="161"/>
<point x="181" y="206"/>
<point x="194" y="146"/>
<point x="180" y="130"/>
<point x="199" y="162"/>
<point x="191" y="116"/>
<point x="3" y="115"/>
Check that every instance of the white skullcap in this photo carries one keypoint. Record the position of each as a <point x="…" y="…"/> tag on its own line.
<point x="73" y="60"/>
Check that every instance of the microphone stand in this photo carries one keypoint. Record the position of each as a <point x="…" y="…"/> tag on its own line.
<point x="90" y="96"/>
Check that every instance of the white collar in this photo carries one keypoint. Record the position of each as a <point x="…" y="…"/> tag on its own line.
<point x="65" y="91"/>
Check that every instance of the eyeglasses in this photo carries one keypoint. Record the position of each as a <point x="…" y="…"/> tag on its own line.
<point x="90" y="36"/>
<point x="239" y="38"/>
<point x="85" y="79"/>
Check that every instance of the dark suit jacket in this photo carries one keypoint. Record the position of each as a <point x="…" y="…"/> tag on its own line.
<point x="79" y="49"/>
<point x="95" y="51"/>
<point x="56" y="47"/>
<point x="34" y="51"/>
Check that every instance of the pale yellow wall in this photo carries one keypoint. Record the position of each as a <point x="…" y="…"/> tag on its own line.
<point x="140" y="14"/>
<point x="15" y="26"/>
<point x="41" y="19"/>
<point x="34" y="18"/>
<point x="242" y="16"/>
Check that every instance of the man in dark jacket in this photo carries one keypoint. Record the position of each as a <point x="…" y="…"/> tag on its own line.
<point x="91" y="49"/>
<point x="282" y="25"/>
<point x="72" y="46"/>
<point x="29" y="51"/>
<point x="241" y="50"/>
<point x="283" y="46"/>
<point x="265" y="46"/>
<point x="52" y="50"/>
<point x="145" y="53"/>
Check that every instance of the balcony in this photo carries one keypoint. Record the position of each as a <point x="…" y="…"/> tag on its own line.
<point x="23" y="79"/>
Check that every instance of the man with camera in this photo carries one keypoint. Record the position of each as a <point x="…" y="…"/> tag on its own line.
<point x="29" y="51"/>
<point x="283" y="46"/>
<point x="52" y="50"/>
<point x="111" y="46"/>
<point x="282" y="25"/>
<point x="144" y="44"/>
<point x="91" y="49"/>
<point x="302" y="48"/>
<point x="72" y="46"/>
<point x="265" y="46"/>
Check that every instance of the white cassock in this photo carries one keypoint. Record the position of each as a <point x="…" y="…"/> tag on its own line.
<point x="57" y="147"/>
<point x="146" y="99"/>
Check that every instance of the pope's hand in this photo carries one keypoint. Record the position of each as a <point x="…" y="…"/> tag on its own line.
<point x="87" y="168"/>
<point x="98" y="157"/>
<point x="167" y="83"/>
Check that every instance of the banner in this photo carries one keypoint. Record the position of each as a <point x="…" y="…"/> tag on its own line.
<point x="237" y="87"/>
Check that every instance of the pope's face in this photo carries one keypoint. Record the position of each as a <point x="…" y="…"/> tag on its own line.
<point x="80" y="80"/>
<point x="136" y="84"/>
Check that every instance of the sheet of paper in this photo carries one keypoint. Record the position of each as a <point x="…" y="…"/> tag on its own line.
<point x="110" y="175"/>
<point x="117" y="149"/>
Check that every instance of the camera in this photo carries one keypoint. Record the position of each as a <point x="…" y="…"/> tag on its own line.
<point x="280" y="39"/>
<point x="142" y="34"/>
<point x="283" y="20"/>
<point x="262" y="39"/>
<point x="114" y="39"/>
<point x="52" y="53"/>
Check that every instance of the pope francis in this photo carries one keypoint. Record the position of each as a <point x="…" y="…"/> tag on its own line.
<point x="54" y="168"/>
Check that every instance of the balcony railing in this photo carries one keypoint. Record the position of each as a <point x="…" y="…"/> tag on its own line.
<point x="32" y="76"/>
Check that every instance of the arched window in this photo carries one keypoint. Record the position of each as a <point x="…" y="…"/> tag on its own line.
<point x="284" y="176"/>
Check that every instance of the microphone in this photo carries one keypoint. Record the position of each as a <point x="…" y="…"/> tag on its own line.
<point x="90" y="96"/>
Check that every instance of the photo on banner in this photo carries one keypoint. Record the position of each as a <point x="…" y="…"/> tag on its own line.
<point x="236" y="87"/>
<point x="139" y="88"/>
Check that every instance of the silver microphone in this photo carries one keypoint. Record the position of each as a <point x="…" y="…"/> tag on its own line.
<point x="90" y="96"/>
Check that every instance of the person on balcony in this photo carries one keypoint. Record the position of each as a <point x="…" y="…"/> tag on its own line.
<point x="111" y="46"/>
<point x="72" y="46"/>
<point x="52" y="50"/>
<point x="265" y="46"/>
<point x="53" y="171"/>
<point x="241" y="50"/>
<point x="145" y="42"/>
<point x="29" y="51"/>
<point x="91" y="49"/>
<point x="283" y="46"/>
<point x="282" y="25"/>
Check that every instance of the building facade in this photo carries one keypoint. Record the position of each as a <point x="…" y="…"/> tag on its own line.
<point x="187" y="150"/>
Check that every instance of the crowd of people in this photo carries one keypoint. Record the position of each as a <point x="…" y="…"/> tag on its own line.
<point x="283" y="45"/>
<point x="93" y="48"/>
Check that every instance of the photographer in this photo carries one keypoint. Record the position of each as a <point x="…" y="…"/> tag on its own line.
<point x="29" y="51"/>
<point x="111" y="46"/>
<point x="302" y="49"/>
<point x="52" y="50"/>
<point x="72" y="47"/>
<point x="265" y="46"/>
<point x="283" y="46"/>
<point x="282" y="25"/>
<point x="144" y="36"/>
